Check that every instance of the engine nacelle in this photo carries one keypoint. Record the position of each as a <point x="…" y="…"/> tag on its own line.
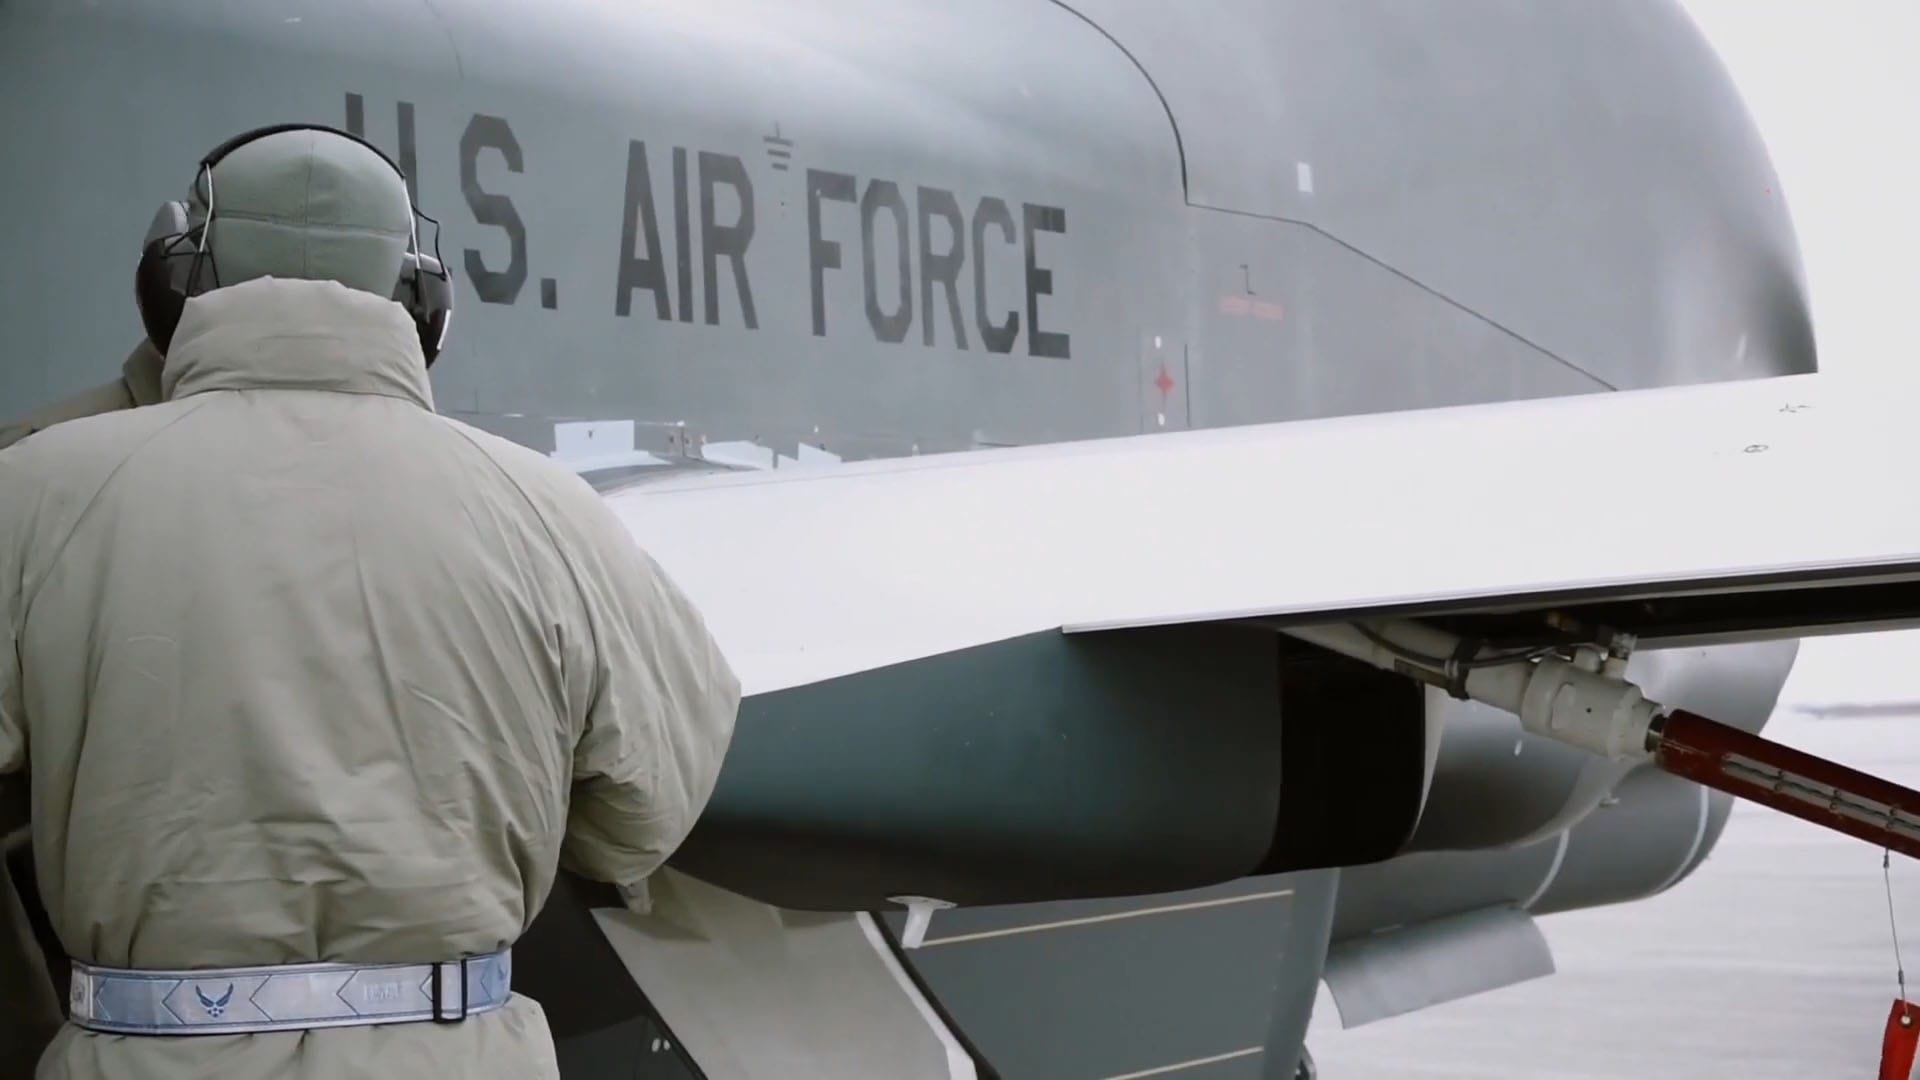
<point x="1060" y="767"/>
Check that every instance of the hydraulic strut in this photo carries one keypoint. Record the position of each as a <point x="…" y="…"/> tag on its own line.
<point x="1587" y="702"/>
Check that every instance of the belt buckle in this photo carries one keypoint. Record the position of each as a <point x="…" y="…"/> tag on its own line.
<point x="439" y="1015"/>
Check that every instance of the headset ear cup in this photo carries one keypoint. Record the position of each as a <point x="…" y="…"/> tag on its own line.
<point x="425" y="289"/>
<point x="159" y="281"/>
<point x="160" y="303"/>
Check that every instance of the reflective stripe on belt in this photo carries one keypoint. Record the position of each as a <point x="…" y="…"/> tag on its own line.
<point x="291" y="997"/>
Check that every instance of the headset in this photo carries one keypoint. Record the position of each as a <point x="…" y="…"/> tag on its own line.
<point x="175" y="252"/>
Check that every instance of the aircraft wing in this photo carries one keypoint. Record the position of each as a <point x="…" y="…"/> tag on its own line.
<point x="1076" y="670"/>
<point x="1776" y="507"/>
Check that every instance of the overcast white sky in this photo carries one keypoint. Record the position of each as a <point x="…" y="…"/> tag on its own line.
<point x="1835" y="88"/>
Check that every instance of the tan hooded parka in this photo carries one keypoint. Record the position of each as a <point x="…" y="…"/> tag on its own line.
<point x="30" y="1011"/>
<point x="138" y="384"/>
<point x="309" y="673"/>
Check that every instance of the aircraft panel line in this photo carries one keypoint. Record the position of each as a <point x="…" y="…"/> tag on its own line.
<point x="1183" y="1066"/>
<point x="1699" y="835"/>
<point x="959" y="1062"/>
<point x="1461" y="306"/>
<point x="1061" y="924"/>
<point x="1553" y="871"/>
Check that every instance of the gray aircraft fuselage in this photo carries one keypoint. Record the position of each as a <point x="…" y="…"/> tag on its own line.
<point x="746" y="229"/>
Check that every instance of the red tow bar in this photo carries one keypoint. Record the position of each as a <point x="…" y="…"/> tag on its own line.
<point x="1813" y="789"/>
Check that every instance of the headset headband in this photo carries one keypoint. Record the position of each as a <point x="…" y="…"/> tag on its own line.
<point x="217" y="153"/>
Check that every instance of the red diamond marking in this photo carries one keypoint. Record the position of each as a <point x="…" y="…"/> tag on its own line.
<point x="1164" y="381"/>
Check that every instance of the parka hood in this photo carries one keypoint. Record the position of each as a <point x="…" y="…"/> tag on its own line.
<point x="289" y="334"/>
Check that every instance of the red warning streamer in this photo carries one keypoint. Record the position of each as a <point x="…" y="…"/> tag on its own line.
<point x="1808" y="787"/>
<point x="1902" y="1038"/>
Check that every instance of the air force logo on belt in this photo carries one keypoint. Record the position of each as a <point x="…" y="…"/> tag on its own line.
<point x="216" y="1007"/>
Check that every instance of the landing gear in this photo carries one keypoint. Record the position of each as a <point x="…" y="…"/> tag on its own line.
<point x="1306" y="1070"/>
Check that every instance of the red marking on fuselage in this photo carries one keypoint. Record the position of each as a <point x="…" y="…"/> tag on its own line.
<point x="1240" y="307"/>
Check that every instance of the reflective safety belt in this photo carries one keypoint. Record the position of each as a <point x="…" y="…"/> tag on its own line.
<point x="290" y="997"/>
